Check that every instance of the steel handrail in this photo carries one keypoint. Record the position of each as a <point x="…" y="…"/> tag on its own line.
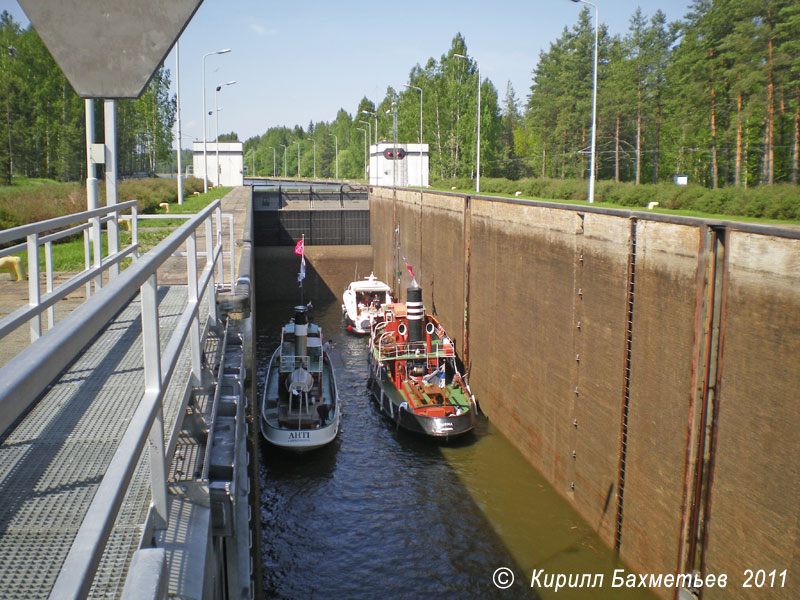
<point x="146" y="425"/>
<point x="28" y="374"/>
<point x="38" y="303"/>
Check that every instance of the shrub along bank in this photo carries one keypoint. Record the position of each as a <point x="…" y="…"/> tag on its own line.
<point x="22" y="204"/>
<point x="780" y="202"/>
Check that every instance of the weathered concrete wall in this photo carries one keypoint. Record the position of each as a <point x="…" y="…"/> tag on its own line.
<point x="647" y="367"/>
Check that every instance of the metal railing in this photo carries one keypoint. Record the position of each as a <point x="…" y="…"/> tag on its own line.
<point x="31" y="371"/>
<point x="90" y="223"/>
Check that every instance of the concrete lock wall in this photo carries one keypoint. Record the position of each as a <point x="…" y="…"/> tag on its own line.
<point x="645" y="365"/>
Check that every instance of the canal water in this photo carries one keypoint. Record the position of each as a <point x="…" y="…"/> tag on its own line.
<point x="382" y="514"/>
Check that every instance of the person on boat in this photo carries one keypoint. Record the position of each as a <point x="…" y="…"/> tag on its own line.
<point x="323" y="410"/>
<point x="376" y="302"/>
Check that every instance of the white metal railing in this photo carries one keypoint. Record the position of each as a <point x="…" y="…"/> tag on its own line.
<point x="147" y="424"/>
<point x="226" y="254"/>
<point x="89" y="222"/>
<point x="27" y="375"/>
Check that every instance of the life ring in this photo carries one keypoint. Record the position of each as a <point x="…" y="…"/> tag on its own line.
<point x="402" y="329"/>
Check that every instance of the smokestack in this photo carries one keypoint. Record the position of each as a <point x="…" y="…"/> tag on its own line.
<point x="414" y="311"/>
<point x="300" y="330"/>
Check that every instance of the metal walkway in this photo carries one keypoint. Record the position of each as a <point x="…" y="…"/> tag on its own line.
<point x="52" y="462"/>
<point x="122" y="456"/>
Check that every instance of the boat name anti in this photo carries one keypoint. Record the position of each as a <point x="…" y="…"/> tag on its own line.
<point x="299" y="435"/>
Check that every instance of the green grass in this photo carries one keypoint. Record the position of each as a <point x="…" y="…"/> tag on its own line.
<point x="69" y="254"/>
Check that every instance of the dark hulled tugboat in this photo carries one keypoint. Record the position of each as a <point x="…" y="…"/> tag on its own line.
<point x="413" y="373"/>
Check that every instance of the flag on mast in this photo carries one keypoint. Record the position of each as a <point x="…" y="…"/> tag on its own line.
<point x="413" y="279"/>
<point x="300" y="249"/>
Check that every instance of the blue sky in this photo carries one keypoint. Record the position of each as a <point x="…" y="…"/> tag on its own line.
<point x="300" y="61"/>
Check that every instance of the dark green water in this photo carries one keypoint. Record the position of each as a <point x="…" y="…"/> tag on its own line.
<point x="381" y="514"/>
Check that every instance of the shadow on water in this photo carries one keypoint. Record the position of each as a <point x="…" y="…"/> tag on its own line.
<point x="381" y="513"/>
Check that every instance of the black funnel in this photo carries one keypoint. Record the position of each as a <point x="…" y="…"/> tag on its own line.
<point x="414" y="311"/>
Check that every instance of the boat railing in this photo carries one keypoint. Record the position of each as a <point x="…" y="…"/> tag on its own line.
<point x="290" y="362"/>
<point x="390" y="349"/>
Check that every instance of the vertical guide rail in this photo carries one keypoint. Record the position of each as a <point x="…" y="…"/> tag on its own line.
<point x="626" y="383"/>
<point x="709" y="402"/>
<point x="151" y="348"/>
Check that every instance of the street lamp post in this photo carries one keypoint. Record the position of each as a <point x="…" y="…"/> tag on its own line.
<point x="205" y="152"/>
<point x="393" y="112"/>
<point x="216" y="135"/>
<point x="594" y="98"/>
<point x="298" y="159"/>
<point x="178" y="114"/>
<point x="374" y="114"/>
<point x="365" y="149"/>
<point x="413" y="87"/>
<point x="369" y="137"/>
<point x="336" y="152"/>
<point x="284" y="159"/>
<point x="314" y="141"/>
<point x="478" y="158"/>
<point x="273" y="160"/>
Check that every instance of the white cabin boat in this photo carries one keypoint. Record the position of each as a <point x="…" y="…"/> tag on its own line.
<point x="362" y="301"/>
<point x="300" y="407"/>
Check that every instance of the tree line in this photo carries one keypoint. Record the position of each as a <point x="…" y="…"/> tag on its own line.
<point x="715" y="96"/>
<point x="42" y="129"/>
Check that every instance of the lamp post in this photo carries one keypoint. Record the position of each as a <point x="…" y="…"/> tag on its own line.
<point x="298" y="159"/>
<point x="369" y="137"/>
<point x="205" y="152"/>
<point x="273" y="160"/>
<point x="314" y="141"/>
<point x="178" y="114"/>
<point x="374" y="114"/>
<point x="413" y="87"/>
<point x="365" y="149"/>
<point x="393" y="112"/>
<point x="594" y="97"/>
<point x="284" y="159"/>
<point x="216" y="135"/>
<point x="478" y="158"/>
<point x="336" y="152"/>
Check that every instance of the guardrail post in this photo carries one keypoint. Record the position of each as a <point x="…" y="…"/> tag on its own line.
<point x="151" y="349"/>
<point x="98" y="251"/>
<point x="135" y="230"/>
<point x="211" y="250"/>
<point x="48" y="269"/>
<point x="34" y="296"/>
<point x="216" y="241"/>
<point x="232" y="245"/>
<point x="194" y="328"/>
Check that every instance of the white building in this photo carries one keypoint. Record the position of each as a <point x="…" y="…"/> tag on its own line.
<point x="231" y="163"/>
<point x="410" y="161"/>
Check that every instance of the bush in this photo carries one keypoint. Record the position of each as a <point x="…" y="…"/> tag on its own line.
<point x="24" y="204"/>
<point x="780" y="202"/>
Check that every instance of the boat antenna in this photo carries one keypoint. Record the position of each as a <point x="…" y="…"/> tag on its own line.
<point x="300" y="249"/>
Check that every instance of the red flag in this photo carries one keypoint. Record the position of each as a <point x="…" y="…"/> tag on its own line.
<point x="298" y="249"/>
<point x="408" y="267"/>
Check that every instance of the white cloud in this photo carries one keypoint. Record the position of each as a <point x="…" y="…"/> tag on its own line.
<point x="263" y="31"/>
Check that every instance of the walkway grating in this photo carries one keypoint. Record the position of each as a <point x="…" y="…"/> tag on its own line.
<point x="53" y="460"/>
